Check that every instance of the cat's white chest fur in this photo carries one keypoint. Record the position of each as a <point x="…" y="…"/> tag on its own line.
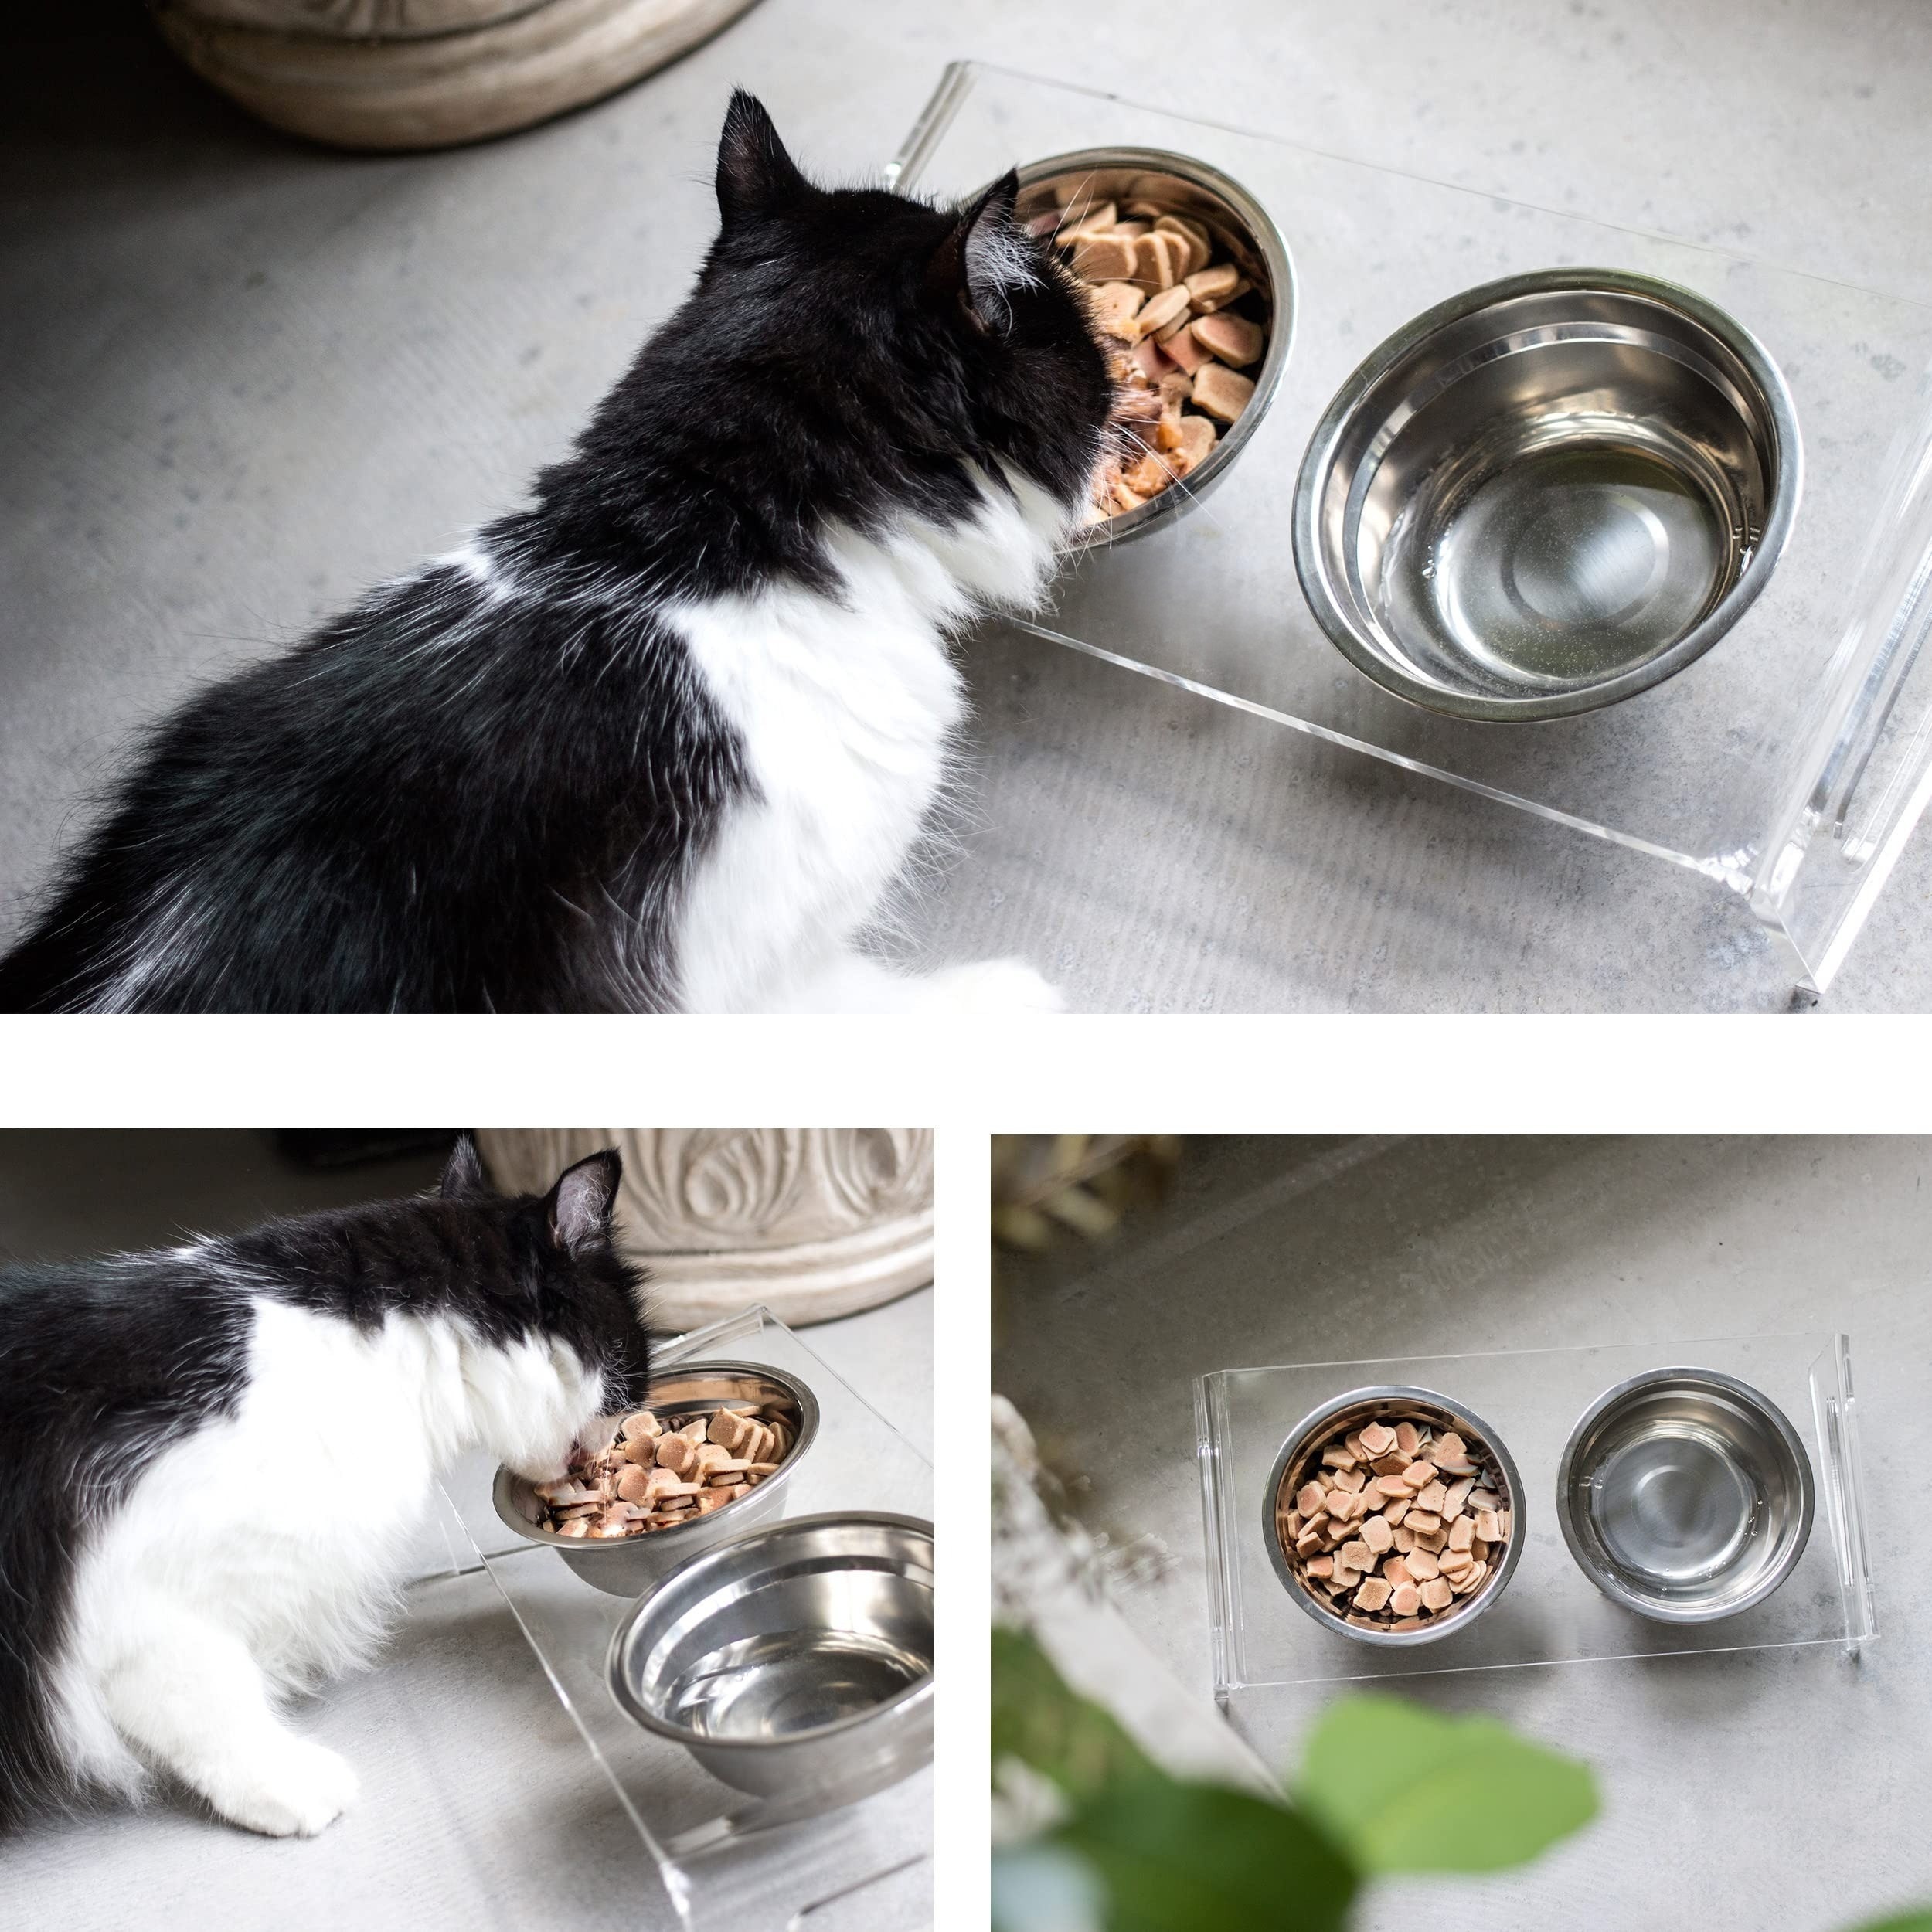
<point x="847" y="709"/>
<point x="261" y="1553"/>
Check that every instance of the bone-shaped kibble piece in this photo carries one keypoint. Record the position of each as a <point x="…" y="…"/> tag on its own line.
<point x="1159" y="311"/>
<point x="1210" y="304"/>
<point x="1221" y="392"/>
<point x="1157" y="259"/>
<point x="1105" y="258"/>
<point x="1197" y="440"/>
<point x="1211" y="284"/>
<point x="1233" y="339"/>
<point x="1087" y="219"/>
<point x="1200" y="243"/>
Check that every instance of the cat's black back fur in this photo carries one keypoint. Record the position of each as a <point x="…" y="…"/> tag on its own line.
<point x="467" y="795"/>
<point x="104" y="1364"/>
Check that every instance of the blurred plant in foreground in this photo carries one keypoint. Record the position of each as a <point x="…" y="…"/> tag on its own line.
<point x="1386" y="1787"/>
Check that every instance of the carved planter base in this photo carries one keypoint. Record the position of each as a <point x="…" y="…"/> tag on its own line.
<point x="394" y="74"/>
<point x="814" y="1223"/>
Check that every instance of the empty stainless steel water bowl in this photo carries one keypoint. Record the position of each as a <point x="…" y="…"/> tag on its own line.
<point x="795" y="1663"/>
<point x="1546" y="494"/>
<point x="1241" y="227"/>
<point x="1686" y="1494"/>
<point x="625" y="1567"/>
<point x="1391" y="1402"/>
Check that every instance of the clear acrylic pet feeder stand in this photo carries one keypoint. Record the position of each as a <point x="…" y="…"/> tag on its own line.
<point x="1786" y="766"/>
<point x="729" y="1862"/>
<point x="1550" y="1612"/>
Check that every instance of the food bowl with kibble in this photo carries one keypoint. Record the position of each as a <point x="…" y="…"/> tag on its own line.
<point x="795" y="1663"/>
<point x="1211" y="316"/>
<point x="642" y="1543"/>
<point x="1335" y="1517"/>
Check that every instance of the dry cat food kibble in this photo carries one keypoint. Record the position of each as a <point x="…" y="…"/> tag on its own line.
<point x="1165" y="298"/>
<point x="662" y="1470"/>
<point x="1394" y="1525"/>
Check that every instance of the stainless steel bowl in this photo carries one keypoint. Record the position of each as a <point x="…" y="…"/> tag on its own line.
<point x="634" y="1564"/>
<point x="1684" y="1494"/>
<point x="796" y="1661"/>
<point x="1391" y="1402"/>
<point x="1546" y="494"/>
<point x="1244" y="228"/>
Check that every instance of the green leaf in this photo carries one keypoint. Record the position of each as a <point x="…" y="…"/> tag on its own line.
<point x="1408" y="1789"/>
<point x="1063" y="1736"/>
<point x="1905" y="1922"/>
<point x="1173" y="1856"/>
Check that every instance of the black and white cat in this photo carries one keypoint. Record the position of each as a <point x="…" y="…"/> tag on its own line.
<point x="664" y="739"/>
<point x="211" y="1458"/>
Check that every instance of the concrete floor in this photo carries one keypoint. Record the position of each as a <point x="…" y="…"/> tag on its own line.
<point x="456" y="1713"/>
<point x="241" y="378"/>
<point x="1724" y="1778"/>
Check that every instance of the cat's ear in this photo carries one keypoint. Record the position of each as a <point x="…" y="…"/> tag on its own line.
<point x="463" y="1176"/>
<point x="755" y="173"/>
<point x="581" y="1201"/>
<point x="985" y="257"/>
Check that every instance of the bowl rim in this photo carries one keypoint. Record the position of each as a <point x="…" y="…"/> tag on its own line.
<point x="1267" y="239"/>
<point x="1759" y="1404"/>
<point x="1381" y="1392"/>
<point x="665" y="1540"/>
<point x="918" y="1692"/>
<point x="1787" y="450"/>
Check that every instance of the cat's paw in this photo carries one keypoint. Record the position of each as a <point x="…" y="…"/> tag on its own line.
<point x="295" y="1790"/>
<point x="991" y="986"/>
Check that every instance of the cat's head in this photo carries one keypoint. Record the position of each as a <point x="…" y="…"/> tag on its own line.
<point x="936" y="341"/>
<point x="569" y="1345"/>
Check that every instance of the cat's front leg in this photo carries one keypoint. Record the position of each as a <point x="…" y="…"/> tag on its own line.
<point x="851" y="982"/>
<point x="989" y="986"/>
<point x="191" y="1700"/>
